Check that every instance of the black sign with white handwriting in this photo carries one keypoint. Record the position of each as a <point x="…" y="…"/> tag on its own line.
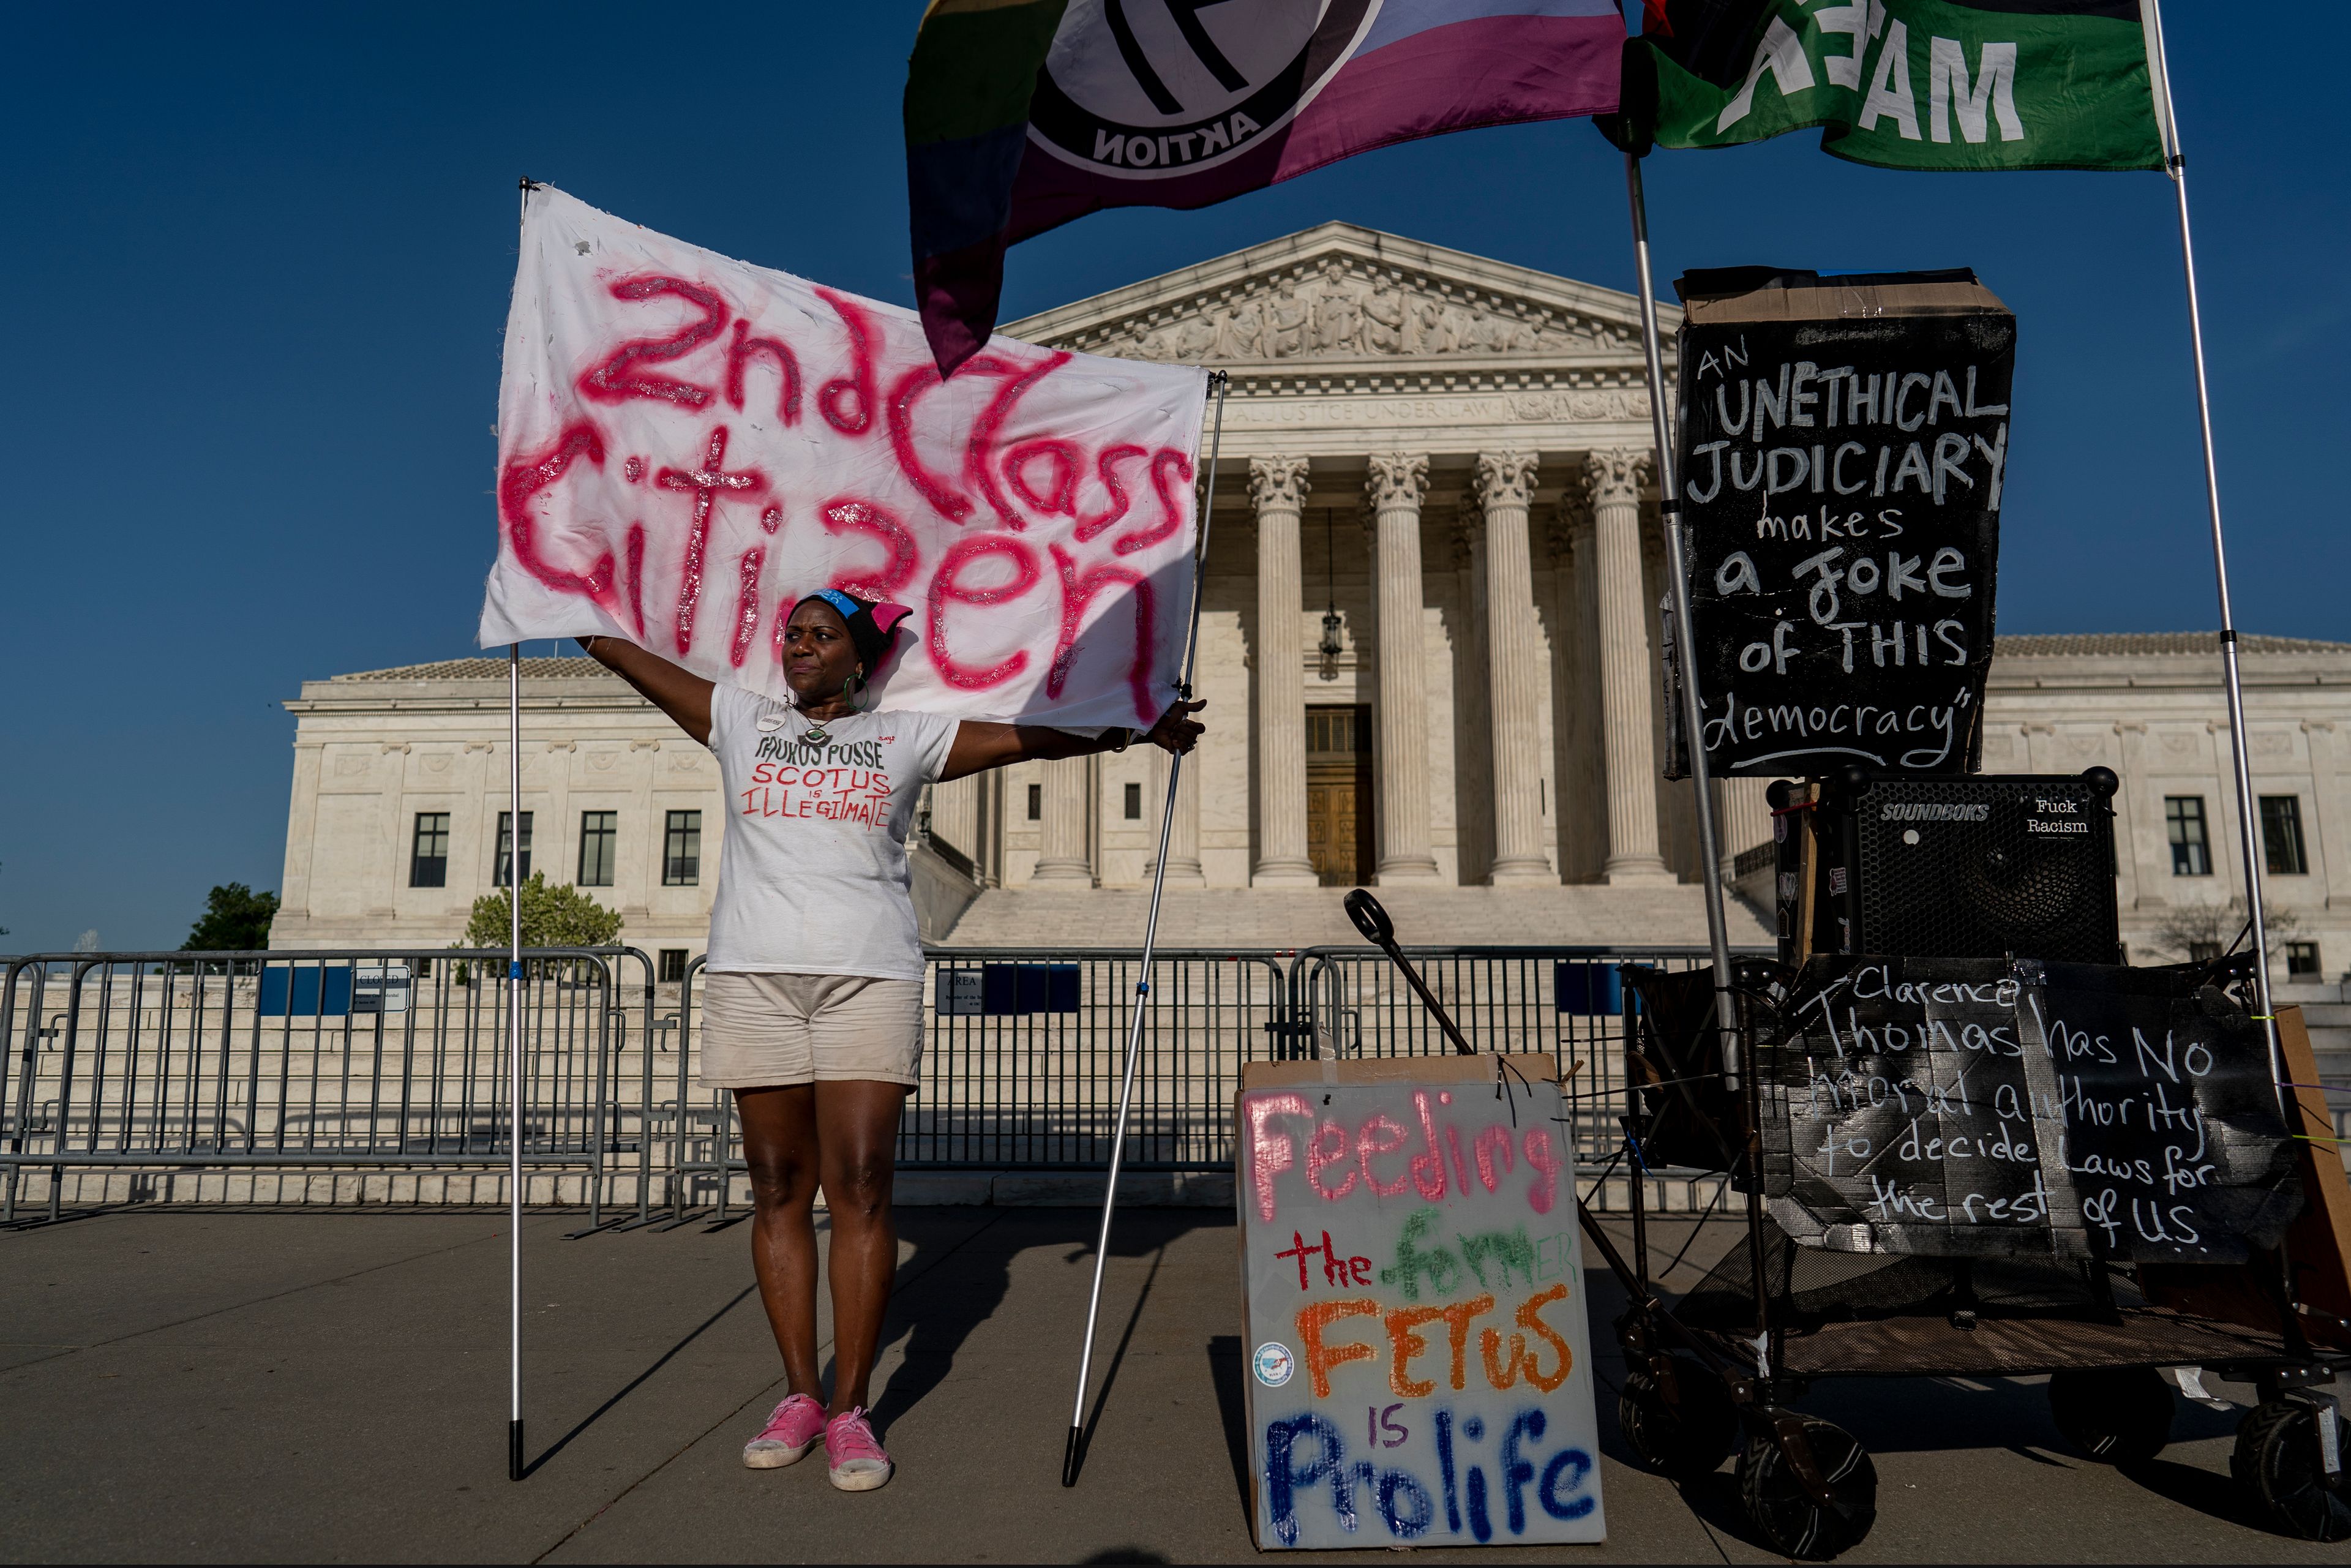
<point x="1843" y="442"/>
<point x="1996" y="1108"/>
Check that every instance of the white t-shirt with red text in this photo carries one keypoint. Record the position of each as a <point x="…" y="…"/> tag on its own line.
<point x="812" y="876"/>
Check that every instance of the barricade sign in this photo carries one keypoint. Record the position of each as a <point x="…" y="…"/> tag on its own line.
<point x="381" y="988"/>
<point x="1418" y="1355"/>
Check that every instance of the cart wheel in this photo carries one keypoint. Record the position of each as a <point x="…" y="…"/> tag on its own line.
<point x="2277" y="1462"/>
<point x="1790" y="1521"/>
<point x="2116" y="1414"/>
<point x="1685" y="1439"/>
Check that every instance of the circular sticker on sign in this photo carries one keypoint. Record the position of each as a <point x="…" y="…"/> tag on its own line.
<point x="1272" y="1364"/>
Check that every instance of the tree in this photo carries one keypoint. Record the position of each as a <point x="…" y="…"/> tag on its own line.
<point x="551" y="917"/>
<point x="236" y="920"/>
<point x="2200" y="931"/>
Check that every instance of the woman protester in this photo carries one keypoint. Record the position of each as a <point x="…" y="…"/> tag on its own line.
<point x="814" y="990"/>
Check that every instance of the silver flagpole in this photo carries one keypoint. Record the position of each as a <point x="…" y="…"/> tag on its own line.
<point x="2248" y="835"/>
<point x="1072" y="1455"/>
<point x="514" y="1062"/>
<point x="1686" y="648"/>
<point x="513" y="1028"/>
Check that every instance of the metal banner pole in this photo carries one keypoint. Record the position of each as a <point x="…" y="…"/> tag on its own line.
<point x="514" y="1018"/>
<point x="1678" y="573"/>
<point x="1072" y="1455"/>
<point x="2247" y="831"/>
<point x="514" y="1062"/>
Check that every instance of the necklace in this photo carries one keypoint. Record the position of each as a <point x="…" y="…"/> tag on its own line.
<point x="816" y="731"/>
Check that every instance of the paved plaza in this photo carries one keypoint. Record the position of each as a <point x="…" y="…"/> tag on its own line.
<point x="217" y="1384"/>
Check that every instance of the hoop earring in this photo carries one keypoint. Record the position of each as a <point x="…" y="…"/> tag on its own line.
<point x="856" y="685"/>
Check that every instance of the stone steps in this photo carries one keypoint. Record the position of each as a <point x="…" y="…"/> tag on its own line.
<point x="1290" y="919"/>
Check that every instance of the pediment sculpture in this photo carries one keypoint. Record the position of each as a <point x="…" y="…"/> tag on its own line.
<point x="1340" y="308"/>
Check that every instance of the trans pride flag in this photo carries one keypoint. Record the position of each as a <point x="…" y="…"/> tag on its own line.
<point x="1024" y="114"/>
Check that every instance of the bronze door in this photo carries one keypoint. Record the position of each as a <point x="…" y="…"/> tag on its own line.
<point x="1339" y="794"/>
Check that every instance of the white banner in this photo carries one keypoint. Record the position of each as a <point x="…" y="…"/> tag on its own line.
<point x="688" y="445"/>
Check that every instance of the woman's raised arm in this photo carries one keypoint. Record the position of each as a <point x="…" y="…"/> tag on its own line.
<point x="679" y="692"/>
<point x="979" y="745"/>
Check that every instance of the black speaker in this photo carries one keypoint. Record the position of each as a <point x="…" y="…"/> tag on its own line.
<point x="1980" y="867"/>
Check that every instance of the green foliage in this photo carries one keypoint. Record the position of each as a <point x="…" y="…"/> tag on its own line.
<point x="551" y="917"/>
<point x="236" y="920"/>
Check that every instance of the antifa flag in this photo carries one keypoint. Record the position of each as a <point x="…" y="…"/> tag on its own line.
<point x="1024" y="114"/>
<point x="688" y="445"/>
<point x="1904" y="84"/>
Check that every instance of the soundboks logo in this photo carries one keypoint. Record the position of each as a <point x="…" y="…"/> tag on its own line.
<point x="1933" y="812"/>
<point x="1141" y="89"/>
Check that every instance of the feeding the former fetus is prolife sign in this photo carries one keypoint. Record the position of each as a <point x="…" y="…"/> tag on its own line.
<point x="689" y="444"/>
<point x="1417" y="1353"/>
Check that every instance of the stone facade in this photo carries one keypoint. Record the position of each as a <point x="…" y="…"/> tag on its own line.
<point x="1427" y="645"/>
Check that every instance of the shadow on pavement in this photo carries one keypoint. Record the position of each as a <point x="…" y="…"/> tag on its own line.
<point x="1227" y="1370"/>
<point x="947" y="1289"/>
<point x="629" y="1387"/>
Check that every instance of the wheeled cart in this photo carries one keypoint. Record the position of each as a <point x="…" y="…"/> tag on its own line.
<point x="1725" y="1364"/>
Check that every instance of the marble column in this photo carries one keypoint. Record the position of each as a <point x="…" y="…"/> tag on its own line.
<point x="1742" y="818"/>
<point x="1061" y="860"/>
<point x="1277" y="487"/>
<point x="1582" y="771"/>
<point x="1626" y="654"/>
<point x="1183" y="835"/>
<point x="1397" y="481"/>
<point x="1506" y="482"/>
<point x="2326" y="824"/>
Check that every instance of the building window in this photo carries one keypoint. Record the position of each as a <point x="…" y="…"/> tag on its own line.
<point x="682" y="849"/>
<point x="2183" y="819"/>
<point x="2301" y="959"/>
<point x="1036" y="801"/>
<point x="1135" y="802"/>
<point x="600" y="832"/>
<point x="502" y="876"/>
<point x="428" y="855"/>
<point x="2203" y="952"/>
<point x="673" y="966"/>
<point x="2281" y="835"/>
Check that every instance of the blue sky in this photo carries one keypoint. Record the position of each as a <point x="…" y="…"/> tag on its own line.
<point x="259" y="267"/>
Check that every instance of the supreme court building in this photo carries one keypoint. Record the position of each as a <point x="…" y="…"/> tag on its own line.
<point x="1429" y="651"/>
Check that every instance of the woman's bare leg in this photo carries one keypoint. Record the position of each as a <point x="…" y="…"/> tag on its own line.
<point x="780" y="1143"/>
<point x="857" y="1137"/>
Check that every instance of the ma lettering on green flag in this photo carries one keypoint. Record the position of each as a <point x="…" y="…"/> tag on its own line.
<point x="1905" y="84"/>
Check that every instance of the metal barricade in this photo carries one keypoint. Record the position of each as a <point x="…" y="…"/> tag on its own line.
<point x="351" y="1058"/>
<point x="1565" y="1002"/>
<point x="375" y="1060"/>
<point x="1022" y="1056"/>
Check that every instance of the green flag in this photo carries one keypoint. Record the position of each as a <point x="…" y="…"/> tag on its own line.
<point x="1905" y="84"/>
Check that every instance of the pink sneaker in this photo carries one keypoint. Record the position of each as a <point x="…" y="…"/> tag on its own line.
<point x="788" y="1435"/>
<point x="853" y="1459"/>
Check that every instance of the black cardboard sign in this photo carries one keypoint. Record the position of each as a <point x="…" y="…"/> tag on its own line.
<point x="1843" y="445"/>
<point x="1999" y="1108"/>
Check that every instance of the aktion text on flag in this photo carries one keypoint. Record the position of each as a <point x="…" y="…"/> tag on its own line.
<point x="1024" y="114"/>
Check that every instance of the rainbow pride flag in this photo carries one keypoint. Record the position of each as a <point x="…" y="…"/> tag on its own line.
<point x="1024" y="114"/>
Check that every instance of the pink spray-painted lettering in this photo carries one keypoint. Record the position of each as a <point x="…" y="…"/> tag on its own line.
<point x="677" y="427"/>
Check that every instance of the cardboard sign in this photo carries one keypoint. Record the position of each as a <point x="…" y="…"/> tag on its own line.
<point x="1418" y="1359"/>
<point x="1843" y="445"/>
<point x="2002" y="1108"/>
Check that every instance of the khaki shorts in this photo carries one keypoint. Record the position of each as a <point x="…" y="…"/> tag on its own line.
<point x="765" y="1031"/>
